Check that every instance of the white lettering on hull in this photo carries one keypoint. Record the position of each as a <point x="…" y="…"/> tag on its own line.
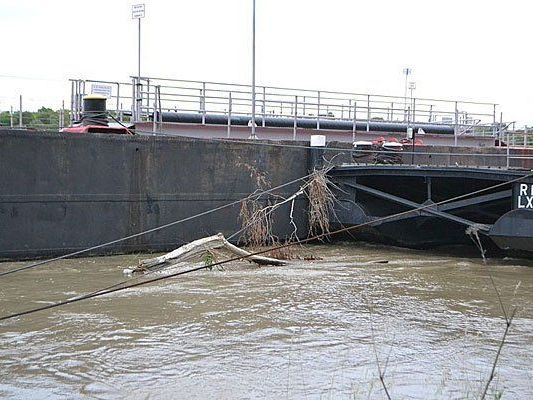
<point x="525" y="196"/>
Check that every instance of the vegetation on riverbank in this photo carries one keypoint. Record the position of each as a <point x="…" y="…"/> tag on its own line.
<point x="43" y="118"/>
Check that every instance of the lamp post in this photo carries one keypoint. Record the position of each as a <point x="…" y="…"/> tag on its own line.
<point x="137" y="12"/>
<point x="253" y="135"/>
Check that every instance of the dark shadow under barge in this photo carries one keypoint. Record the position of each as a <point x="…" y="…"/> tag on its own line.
<point x="436" y="207"/>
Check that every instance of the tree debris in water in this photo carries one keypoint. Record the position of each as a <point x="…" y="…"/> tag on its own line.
<point x="257" y="219"/>
<point x="198" y="248"/>
<point x="321" y="202"/>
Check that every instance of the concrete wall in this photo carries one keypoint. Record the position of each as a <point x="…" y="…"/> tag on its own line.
<point x="65" y="192"/>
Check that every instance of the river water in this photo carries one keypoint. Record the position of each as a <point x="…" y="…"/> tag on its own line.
<point x="309" y="330"/>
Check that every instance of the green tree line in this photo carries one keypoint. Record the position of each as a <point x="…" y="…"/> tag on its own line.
<point x="44" y="117"/>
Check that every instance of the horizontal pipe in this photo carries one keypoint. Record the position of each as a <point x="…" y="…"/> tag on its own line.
<point x="304" y="123"/>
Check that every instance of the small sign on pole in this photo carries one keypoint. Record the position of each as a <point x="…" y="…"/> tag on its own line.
<point x="104" y="90"/>
<point x="137" y="11"/>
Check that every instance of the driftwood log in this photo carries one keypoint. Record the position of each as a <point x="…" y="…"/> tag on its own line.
<point x="197" y="248"/>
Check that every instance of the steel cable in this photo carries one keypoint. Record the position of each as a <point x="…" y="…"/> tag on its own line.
<point x="99" y="246"/>
<point x="314" y="238"/>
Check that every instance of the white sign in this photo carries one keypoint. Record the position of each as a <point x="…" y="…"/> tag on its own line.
<point x="137" y="11"/>
<point x="525" y="196"/>
<point x="104" y="90"/>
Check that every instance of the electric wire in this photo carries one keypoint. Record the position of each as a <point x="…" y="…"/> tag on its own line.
<point x="289" y="244"/>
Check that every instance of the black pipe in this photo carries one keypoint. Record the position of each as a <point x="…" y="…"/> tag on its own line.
<point x="305" y="123"/>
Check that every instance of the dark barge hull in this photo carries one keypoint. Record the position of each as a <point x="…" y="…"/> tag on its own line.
<point x="370" y="193"/>
<point x="61" y="193"/>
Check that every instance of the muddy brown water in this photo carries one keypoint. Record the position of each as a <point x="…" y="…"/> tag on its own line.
<point x="310" y="330"/>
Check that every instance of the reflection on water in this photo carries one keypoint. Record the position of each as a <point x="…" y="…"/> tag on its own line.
<point x="308" y="330"/>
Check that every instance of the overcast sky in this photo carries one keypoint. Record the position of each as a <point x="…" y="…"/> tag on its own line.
<point x="464" y="49"/>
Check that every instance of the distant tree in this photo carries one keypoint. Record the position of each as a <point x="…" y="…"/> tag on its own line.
<point x="4" y="118"/>
<point x="44" y="117"/>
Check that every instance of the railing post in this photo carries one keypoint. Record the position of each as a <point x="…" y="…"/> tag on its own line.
<point x="414" y="110"/>
<point x="295" y="117"/>
<point x="500" y="129"/>
<point x="147" y="93"/>
<point x="303" y="111"/>
<point x="430" y="112"/>
<point x="264" y="105"/>
<point x="20" y="111"/>
<point x="392" y="111"/>
<point x="229" y="114"/>
<point x="118" y="100"/>
<point x="456" y="125"/>
<point x="134" y="99"/>
<point x="71" y="101"/>
<point x="202" y="103"/>
<point x="62" y="115"/>
<point x="508" y="150"/>
<point x="79" y="101"/>
<point x="156" y="114"/>
<point x="354" y="123"/>
<point x="74" y="116"/>
<point x="368" y="113"/>
<point x="349" y="108"/>
<point x="494" y="120"/>
<point x="160" y="109"/>
<point x="318" y="112"/>
<point x="138" y="100"/>
<point x="82" y="95"/>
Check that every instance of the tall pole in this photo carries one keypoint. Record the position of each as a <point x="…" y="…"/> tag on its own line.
<point x="139" y="98"/>
<point x="138" y="12"/>
<point x="139" y="52"/>
<point x="253" y="136"/>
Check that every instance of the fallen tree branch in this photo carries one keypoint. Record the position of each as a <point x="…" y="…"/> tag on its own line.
<point x="198" y="247"/>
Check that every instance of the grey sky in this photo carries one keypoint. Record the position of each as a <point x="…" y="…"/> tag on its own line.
<point x="457" y="49"/>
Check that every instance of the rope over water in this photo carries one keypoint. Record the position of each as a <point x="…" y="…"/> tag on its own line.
<point x="314" y="238"/>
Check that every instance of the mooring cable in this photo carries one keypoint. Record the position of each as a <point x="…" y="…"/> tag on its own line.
<point x="149" y="272"/>
<point x="157" y="228"/>
<point x="289" y="244"/>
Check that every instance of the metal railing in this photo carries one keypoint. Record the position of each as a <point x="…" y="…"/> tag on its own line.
<point x="139" y="100"/>
<point x="504" y="161"/>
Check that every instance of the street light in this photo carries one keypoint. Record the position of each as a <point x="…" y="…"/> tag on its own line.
<point x="137" y="12"/>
